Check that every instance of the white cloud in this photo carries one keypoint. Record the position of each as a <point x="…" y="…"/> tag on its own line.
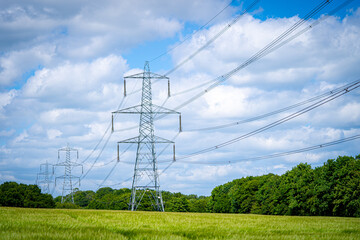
<point x="6" y="98"/>
<point x="22" y="137"/>
<point x="84" y="84"/>
<point x="53" y="133"/>
<point x="5" y="133"/>
<point x="16" y="65"/>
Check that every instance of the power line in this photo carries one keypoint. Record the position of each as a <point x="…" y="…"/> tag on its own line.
<point x="273" y="112"/>
<point x="206" y="44"/>
<point x="263" y="52"/>
<point x="275" y="155"/>
<point x="112" y="169"/>
<point x="260" y="116"/>
<point x="102" y="138"/>
<point x="273" y="45"/>
<point x="282" y="154"/>
<point x="123" y="101"/>
<point x="107" y="176"/>
<point x="191" y="35"/>
<point x="97" y="158"/>
<point x="344" y="89"/>
<point x="126" y="180"/>
<point x="273" y="124"/>
<point x="258" y="55"/>
<point x="212" y="39"/>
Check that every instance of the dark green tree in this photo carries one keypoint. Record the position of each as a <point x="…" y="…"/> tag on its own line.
<point x="178" y="204"/>
<point x="220" y="202"/>
<point x="198" y="204"/>
<point x="13" y="194"/>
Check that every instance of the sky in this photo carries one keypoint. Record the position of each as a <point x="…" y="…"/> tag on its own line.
<point x="62" y="65"/>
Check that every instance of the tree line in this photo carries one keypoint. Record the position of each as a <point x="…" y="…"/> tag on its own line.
<point x="118" y="199"/>
<point x="332" y="189"/>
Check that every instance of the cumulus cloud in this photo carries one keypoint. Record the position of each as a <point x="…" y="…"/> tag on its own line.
<point x="82" y="84"/>
<point x="53" y="133"/>
<point x="6" y="98"/>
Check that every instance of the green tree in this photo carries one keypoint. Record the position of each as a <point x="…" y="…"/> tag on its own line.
<point x="269" y="196"/>
<point x="220" y="202"/>
<point x="347" y="187"/>
<point x="243" y="194"/>
<point x="178" y="204"/>
<point x="13" y="194"/>
<point x="298" y="187"/>
<point x="83" y="198"/>
<point x="198" y="204"/>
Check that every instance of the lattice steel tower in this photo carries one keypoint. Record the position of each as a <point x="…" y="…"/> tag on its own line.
<point x="67" y="190"/>
<point x="146" y="177"/>
<point x="42" y="179"/>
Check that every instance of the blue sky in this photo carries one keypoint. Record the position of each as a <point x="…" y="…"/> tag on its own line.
<point x="61" y="70"/>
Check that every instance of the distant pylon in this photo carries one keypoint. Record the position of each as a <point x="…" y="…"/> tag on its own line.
<point x="146" y="177"/>
<point x="67" y="190"/>
<point x="43" y="177"/>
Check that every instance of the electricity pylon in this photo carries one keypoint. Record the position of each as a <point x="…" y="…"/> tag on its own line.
<point x="146" y="177"/>
<point x="42" y="179"/>
<point x="67" y="190"/>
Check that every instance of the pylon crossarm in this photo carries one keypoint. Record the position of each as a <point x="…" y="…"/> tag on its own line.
<point x="164" y="110"/>
<point x="137" y="109"/>
<point x="68" y="149"/>
<point x="73" y="164"/>
<point x="40" y="174"/>
<point x="131" y="110"/>
<point x="65" y="176"/>
<point x="151" y="75"/>
<point x="161" y="140"/>
<point x="136" y="140"/>
<point x="130" y="140"/>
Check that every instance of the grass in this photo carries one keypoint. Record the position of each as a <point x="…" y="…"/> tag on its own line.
<point x="22" y="223"/>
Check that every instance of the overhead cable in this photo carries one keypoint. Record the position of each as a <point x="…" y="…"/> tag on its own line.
<point x="102" y="138"/>
<point x="107" y="176"/>
<point x="281" y="154"/>
<point x="275" y="44"/>
<point x="191" y="35"/>
<point x="273" y="112"/>
<point x="212" y="39"/>
<point x="276" y="123"/>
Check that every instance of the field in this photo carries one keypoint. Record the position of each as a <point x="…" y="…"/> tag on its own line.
<point x="22" y="223"/>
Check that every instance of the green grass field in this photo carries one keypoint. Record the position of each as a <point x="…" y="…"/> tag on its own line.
<point x="22" y="223"/>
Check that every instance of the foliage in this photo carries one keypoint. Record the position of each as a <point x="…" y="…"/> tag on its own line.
<point x="178" y="204"/>
<point x="332" y="190"/>
<point x="111" y="199"/>
<point x="13" y="194"/>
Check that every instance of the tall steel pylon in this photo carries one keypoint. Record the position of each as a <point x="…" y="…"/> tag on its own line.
<point x="43" y="179"/>
<point x="67" y="190"/>
<point x="146" y="176"/>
